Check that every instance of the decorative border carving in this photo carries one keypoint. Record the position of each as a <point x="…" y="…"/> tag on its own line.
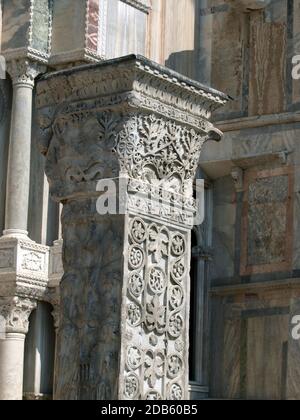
<point x="156" y="309"/>
<point x="102" y="34"/>
<point x="137" y="74"/>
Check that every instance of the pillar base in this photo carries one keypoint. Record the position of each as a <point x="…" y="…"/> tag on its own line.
<point x="15" y="234"/>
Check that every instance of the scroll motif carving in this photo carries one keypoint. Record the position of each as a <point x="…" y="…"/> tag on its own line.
<point x="159" y="151"/>
<point x="143" y="147"/>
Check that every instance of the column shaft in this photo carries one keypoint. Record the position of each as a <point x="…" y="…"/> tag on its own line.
<point x="18" y="177"/>
<point x="11" y="366"/>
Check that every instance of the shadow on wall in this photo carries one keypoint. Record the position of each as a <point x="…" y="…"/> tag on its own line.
<point x="196" y="63"/>
<point x="183" y="62"/>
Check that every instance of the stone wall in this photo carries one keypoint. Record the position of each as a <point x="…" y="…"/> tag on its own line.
<point x="255" y="273"/>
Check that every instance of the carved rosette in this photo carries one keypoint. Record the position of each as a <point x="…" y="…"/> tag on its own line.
<point x="125" y="119"/>
<point x="16" y="312"/>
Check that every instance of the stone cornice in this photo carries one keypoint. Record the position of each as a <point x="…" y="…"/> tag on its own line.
<point x="80" y="56"/>
<point x="257" y="287"/>
<point x="131" y="73"/>
<point x="26" y="53"/>
<point x="244" y="123"/>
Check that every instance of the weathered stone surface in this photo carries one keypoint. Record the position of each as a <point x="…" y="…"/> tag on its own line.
<point x="125" y="291"/>
<point x="27" y="29"/>
<point x="267" y="221"/>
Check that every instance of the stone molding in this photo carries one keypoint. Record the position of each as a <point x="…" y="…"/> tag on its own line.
<point x="249" y="5"/>
<point x="139" y="75"/>
<point x="16" y="312"/>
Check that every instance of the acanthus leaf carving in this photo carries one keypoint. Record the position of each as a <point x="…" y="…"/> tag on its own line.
<point x="16" y="312"/>
<point x="24" y="71"/>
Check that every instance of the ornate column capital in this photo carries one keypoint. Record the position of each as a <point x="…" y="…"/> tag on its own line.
<point x="14" y="314"/>
<point x="152" y="133"/>
<point x="24" y="71"/>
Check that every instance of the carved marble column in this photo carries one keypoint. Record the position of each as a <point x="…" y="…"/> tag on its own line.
<point x="23" y="263"/>
<point x="23" y="72"/>
<point x="14" y="315"/>
<point x="125" y="292"/>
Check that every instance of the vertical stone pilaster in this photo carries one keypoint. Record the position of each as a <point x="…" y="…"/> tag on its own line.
<point x="125" y="292"/>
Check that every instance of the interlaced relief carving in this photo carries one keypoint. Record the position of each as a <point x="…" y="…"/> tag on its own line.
<point x="156" y="309"/>
<point x="144" y="147"/>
